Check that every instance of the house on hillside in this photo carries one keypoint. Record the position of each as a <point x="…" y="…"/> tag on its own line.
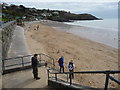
<point x="56" y="13"/>
<point x="4" y="5"/>
<point x="46" y="14"/>
<point x="33" y="9"/>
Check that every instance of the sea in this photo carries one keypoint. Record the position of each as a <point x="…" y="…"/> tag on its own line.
<point x="102" y="31"/>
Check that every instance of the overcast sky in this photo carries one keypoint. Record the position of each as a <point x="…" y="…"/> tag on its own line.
<point x="60" y="0"/>
<point x="100" y="8"/>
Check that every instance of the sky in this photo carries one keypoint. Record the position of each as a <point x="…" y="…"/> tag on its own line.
<point x="99" y="8"/>
<point x="60" y="0"/>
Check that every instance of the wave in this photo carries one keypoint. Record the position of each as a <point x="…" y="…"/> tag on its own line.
<point x="107" y="24"/>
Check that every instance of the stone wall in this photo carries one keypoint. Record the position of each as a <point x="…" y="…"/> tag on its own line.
<point x="7" y="33"/>
<point x="0" y="59"/>
<point x="60" y="84"/>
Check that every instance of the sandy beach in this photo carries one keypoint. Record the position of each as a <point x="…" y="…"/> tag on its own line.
<point x="86" y="54"/>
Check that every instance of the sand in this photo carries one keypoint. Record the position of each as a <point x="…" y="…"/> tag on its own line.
<point x="86" y="54"/>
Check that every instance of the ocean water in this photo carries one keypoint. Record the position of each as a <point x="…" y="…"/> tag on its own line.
<point x="107" y="24"/>
<point x="102" y="31"/>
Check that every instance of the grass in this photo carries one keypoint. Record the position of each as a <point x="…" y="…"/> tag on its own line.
<point x="4" y="19"/>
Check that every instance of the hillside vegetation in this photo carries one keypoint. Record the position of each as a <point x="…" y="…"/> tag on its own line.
<point x="12" y="12"/>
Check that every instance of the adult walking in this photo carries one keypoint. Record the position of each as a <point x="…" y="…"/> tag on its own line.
<point x="71" y="67"/>
<point x="37" y="27"/>
<point x="61" y="63"/>
<point x="34" y="62"/>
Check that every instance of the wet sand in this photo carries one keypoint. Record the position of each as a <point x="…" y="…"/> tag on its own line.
<point x="87" y="54"/>
<point x="99" y="35"/>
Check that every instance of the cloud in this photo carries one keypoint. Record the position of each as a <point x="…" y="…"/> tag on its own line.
<point x="79" y="6"/>
<point x="59" y="0"/>
<point x="100" y="8"/>
<point x="71" y="6"/>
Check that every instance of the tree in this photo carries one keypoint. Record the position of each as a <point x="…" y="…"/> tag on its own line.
<point x="13" y="6"/>
<point x="21" y="6"/>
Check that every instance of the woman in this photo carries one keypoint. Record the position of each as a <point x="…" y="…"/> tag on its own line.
<point x="71" y="67"/>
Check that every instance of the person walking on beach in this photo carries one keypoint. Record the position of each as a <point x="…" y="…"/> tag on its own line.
<point x="37" y="27"/>
<point x="71" y="67"/>
<point x="34" y="62"/>
<point x="61" y="63"/>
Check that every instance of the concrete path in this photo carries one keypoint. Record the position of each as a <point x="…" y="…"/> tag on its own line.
<point x="24" y="79"/>
<point x="18" y="46"/>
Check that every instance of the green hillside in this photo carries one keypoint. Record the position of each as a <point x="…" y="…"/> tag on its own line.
<point x="12" y="12"/>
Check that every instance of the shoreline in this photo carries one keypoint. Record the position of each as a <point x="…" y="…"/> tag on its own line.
<point x="87" y="54"/>
<point x="95" y="34"/>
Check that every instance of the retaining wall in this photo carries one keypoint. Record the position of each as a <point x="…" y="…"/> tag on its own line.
<point x="59" y="85"/>
<point x="7" y="33"/>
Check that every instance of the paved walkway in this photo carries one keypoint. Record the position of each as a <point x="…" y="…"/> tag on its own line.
<point x="18" y="46"/>
<point x="24" y="79"/>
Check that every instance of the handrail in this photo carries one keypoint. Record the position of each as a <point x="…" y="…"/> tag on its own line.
<point x="107" y="73"/>
<point x="115" y="80"/>
<point x="22" y="62"/>
<point x="46" y="55"/>
<point x="27" y="56"/>
<point x="86" y="72"/>
<point x="17" y="57"/>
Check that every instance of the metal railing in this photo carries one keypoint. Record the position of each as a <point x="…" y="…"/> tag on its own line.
<point x="22" y="61"/>
<point x="107" y="73"/>
<point x="51" y="64"/>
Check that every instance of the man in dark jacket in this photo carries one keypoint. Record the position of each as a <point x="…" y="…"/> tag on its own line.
<point x="34" y="62"/>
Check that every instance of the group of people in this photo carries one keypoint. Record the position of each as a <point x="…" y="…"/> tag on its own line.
<point x="34" y="62"/>
<point x="71" y="66"/>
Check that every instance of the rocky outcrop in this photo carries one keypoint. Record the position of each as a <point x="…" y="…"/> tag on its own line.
<point x="68" y="17"/>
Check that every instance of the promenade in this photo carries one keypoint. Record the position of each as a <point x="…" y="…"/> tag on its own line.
<point x="22" y="79"/>
<point x="18" y="46"/>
